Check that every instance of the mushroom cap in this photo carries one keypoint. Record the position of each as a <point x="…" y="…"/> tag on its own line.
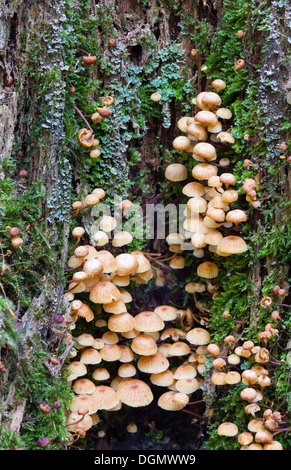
<point x="245" y="438"/>
<point x="185" y="371"/>
<point x="144" y="345"/>
<point x="116" y="306"/>
<point x="197" y="130"/>
<point x="236" y="216"/>
<point x="206" y="117"/>
<point x="143" y="263"/>
<point x="100" y="374"/>
<point x="107" y="223"/>
<point x="162" y="379"/>
<point x="134" y="393"/>
<point x="224" y="113"/>
<point x="76" y="369"/>
<point x="104" y="292"/>
<point x="122" y="238"/>
<point x="126" y="370"/>
<point x="110" y="352"/>
<point x="166" y="312"/>
<point x="148" y="321"/>
<point x="187" y="385"/>
<point x="197" y="205"/>
<point x="166" y="401"/>
<point x="178" y="262"/>
<point x="193" y="189"/>
<point x="126" y="353"/>
<point x="218" y="84"/>
<point x="211" y="99"/>
<point x="207" y="270"/>
<point x="121" y="322"/>
<point x="90" y="356"/>
<point x="203" y="171"/>
<point x="153" y="364"/>
<point x="108" y="261"/>
<point x="176" y="172"/>
<point x="85" y="424"/>
<point x="83" y="386"/>
<point x="227" y="429"/>
<point x="231" y="244"/>
<point x="179" y="349"/>
<point x="182" y="143"/>
<point x="86" y="402"/>
<point x="198" y="336"/>
<point x="105" y="397"/>
<point x="126" y="264"/>
<point x="100" y="237"/>
<point x="204" y="150"/>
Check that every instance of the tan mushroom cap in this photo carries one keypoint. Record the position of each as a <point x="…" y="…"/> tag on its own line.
<point x="198" y="336"/>
<point x="143" y="263"/>
<point x="144" y="345"/>
<point x="166" y="401"/>
<point x="148" y="321"/>
<point x="100" y="374"/>
<point x="206" y="117"/>
<point x="193" y="189"/>
<point x="245" y="438"/>
<point x="134" y="393"/>
<point x="203" y="171"/>
<point x="101" y="238"/>
<point x="227" y="429"/>
<point x="110" y="352"/>
<point x="87" y="402"/>
<point x="83" y="386"/>
<point x="116" y="306"/>
<point x="126" y="353"/>
<point x="85" y="339"/>
<point x="211" y="99"/>
<point x="236" y="216"/>
<point x="207" y="270"/>
<point x="179" y="349"/>
<point x="90" y="356"/>
<point x="122" y="238"/>
<point x="105" y="397"/>
<point x="197" y="130"/>
<point x="108" y="261"/>
<point x="187" y="385"/>
<point x="162" y="379"/>
<point x="182" y="143"/>
<point x="126" y="370"/>
<point x="126" y="264"/>
<point x="104" y="292"/>
<point x="166" y="312"/>
<point x="176" y="172"/>
<point x="185" y="371"/>
<point x="197" y="205"/>
<point x="231" y="244"/>
<point x="121" y="322"/>
<point x="76" y="369"/>
<point x="204" y="150"/>
<point x="153" y="364"/>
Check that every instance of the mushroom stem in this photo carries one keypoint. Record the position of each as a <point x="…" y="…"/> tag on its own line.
<point x="161" y="264"/>
<point x="194" y="414"/>
<point x="83" y="117"/>
<point x="75" y="245"/>
<point x="159" y="195"/>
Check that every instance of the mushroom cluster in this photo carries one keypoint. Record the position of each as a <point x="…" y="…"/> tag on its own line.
<point x="229" y="369"/>
<point x="210" y="211"/>
<point x="124" y="354"/>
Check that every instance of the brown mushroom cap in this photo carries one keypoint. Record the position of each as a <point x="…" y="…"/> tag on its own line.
<point x="105" y="397"/>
